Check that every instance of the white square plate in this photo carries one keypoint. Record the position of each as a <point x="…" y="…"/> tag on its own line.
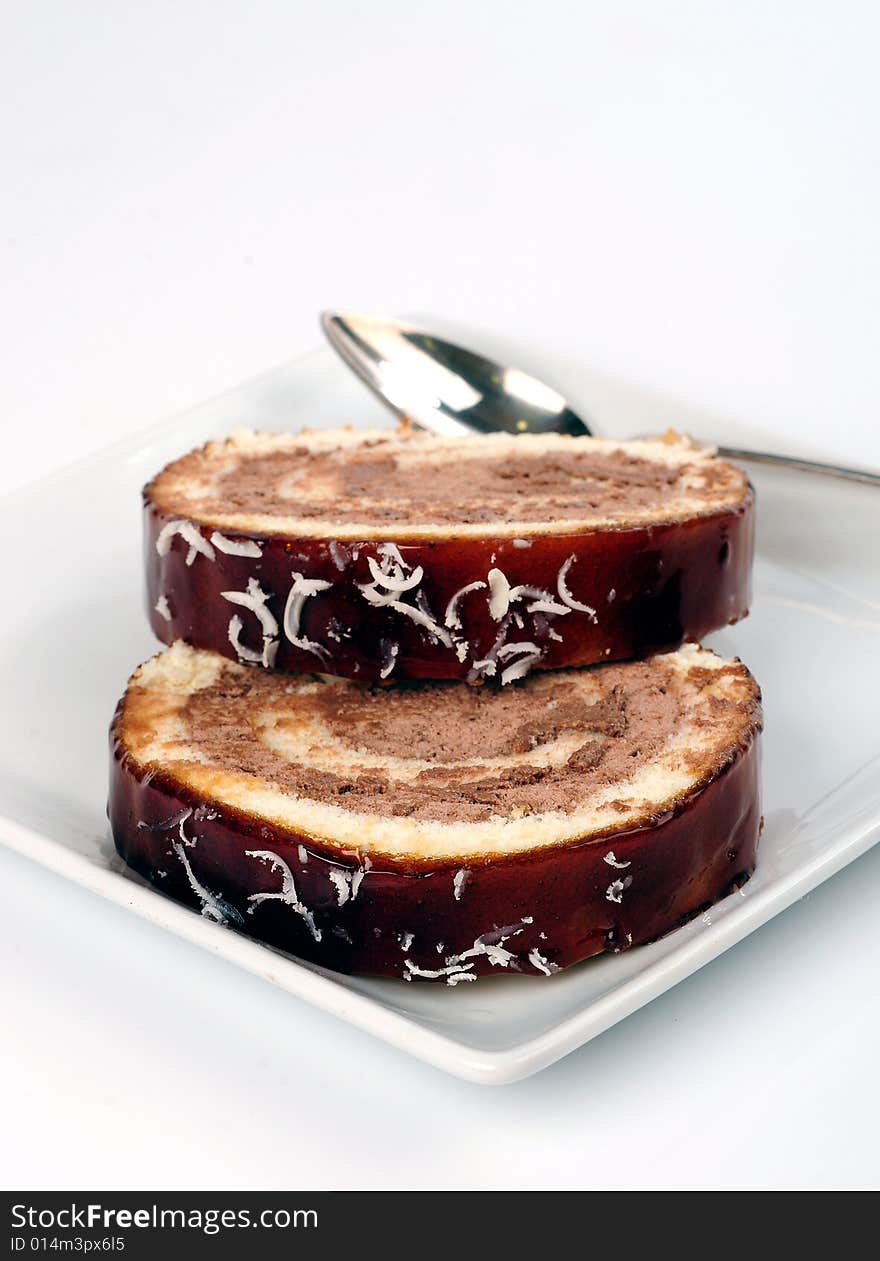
<point x="73" y="630"/>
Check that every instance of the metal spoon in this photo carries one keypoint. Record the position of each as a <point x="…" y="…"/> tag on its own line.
<point x="444" y="387"/>
<point x="453" y="391"/>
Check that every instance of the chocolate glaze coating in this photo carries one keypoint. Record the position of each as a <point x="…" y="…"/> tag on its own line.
<point x="559" y="902"/>
<point x="652" y="587"/>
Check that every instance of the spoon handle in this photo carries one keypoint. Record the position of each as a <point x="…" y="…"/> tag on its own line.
<point x="870" y="476"/>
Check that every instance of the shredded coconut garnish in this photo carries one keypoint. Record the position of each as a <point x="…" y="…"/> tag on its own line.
<point x="547" y="606"/>
<point x="451" y="618"/>
<point x="565" y="595"/>
<point x="614" y="892"/>
<point x="543" y="964"/>
<point x="347" y="881"/>
<point x="499" y="594"/>
<point x="503" y="595"/>
<point x="303" y="854"/>
<point x="392" y="552"/>
<point x="165" y="825"/>
<point x="612" y="861"/>
<point x="214" y="907"/>
<point x="406" y="940"/>
<point x="489" y="664"/>
<point x="357" y="876"/>
<point x="543" y="601"/>
<point x="265" y="658"/>
<point x="287" y="894"/>
<point x="389" y="657"/>
<point x="460" y="879"/>
<point x="502" y="599"/>
<point x="254" y="598"/>
<point x="236" y="547"/>
<point x="185" y="840"/>
<point x="486" y="666"/>
<point x="163" y="608"/>
<point x="521" y="646"/>
<point x="523" y="665"/>
<point x="390" y="579"/>
<point x="190" y="534"/>
<point x="340" y="555"/>
<point x="453" y="973"/>
<point x="342" y="880"/>
<point x="459" y="967"/>
<point x="303" y="589"/>
<point x="522" y="542"/>
<point x="492" y="946"/>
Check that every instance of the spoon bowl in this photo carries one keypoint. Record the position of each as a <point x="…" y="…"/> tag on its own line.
<point x="444" y="387"/>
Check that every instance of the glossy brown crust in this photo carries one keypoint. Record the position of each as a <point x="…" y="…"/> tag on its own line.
<point x="652" y="588"/>
<point x="549" y="908"/>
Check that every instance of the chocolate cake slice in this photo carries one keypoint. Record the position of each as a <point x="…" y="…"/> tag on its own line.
<point x="399" y="555"/>
<point x="439" y="832"/>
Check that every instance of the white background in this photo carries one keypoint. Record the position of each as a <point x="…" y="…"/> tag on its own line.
<point x="685" y="195"/>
